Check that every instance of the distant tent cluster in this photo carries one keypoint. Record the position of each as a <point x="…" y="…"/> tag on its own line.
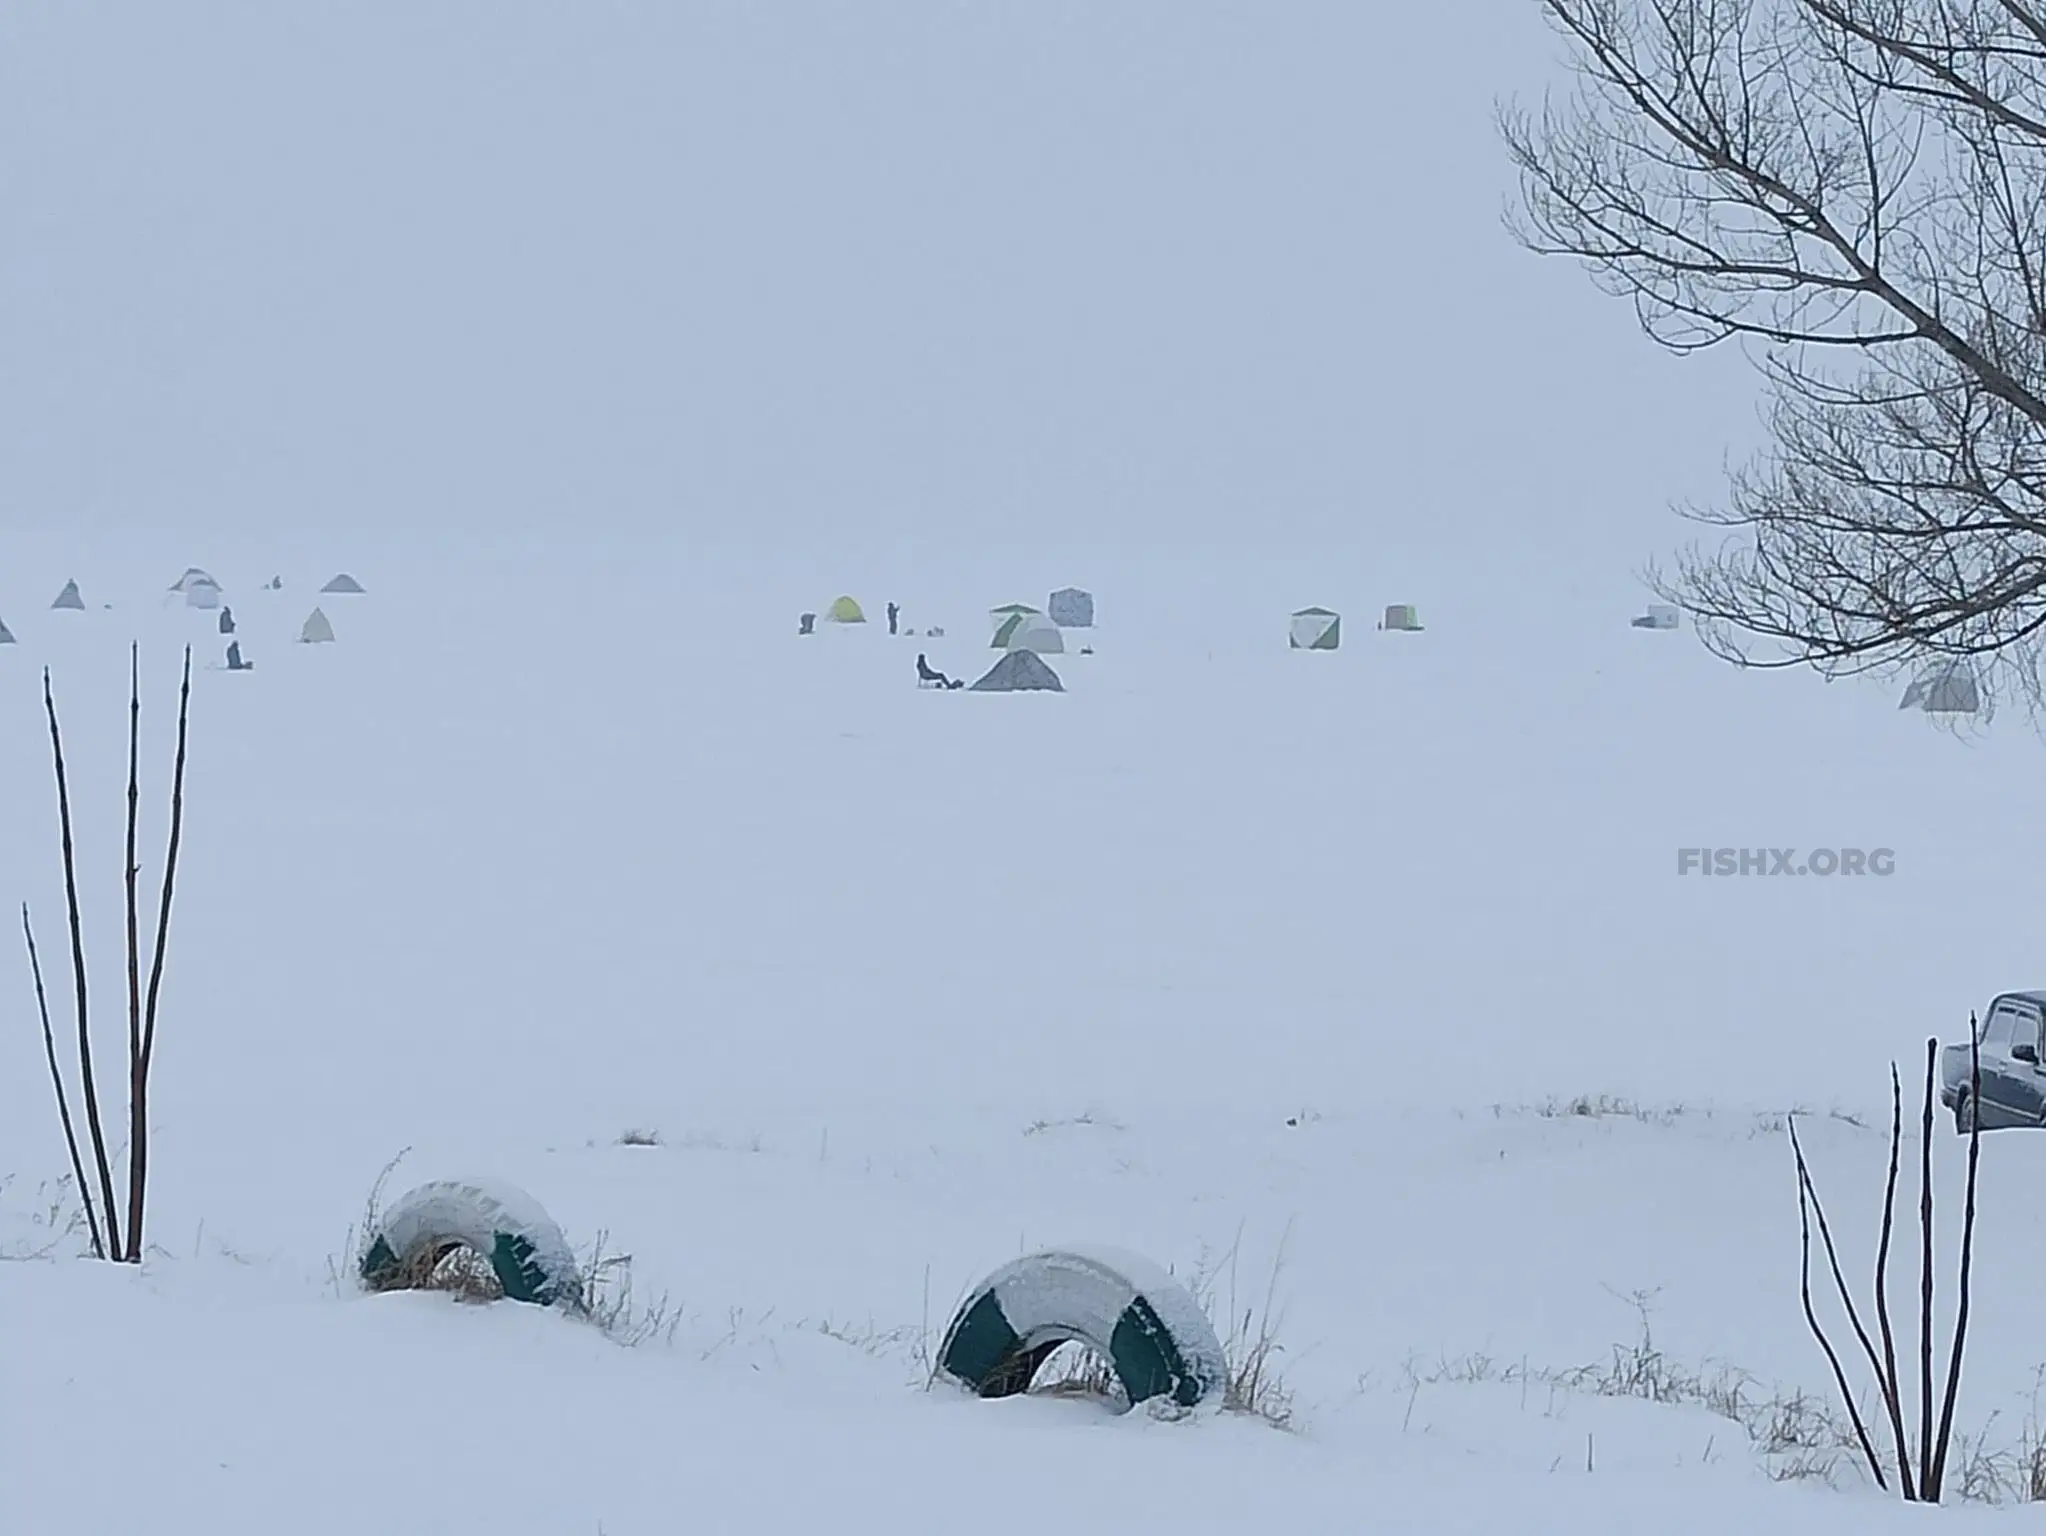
<point x="1321" y="629"/>
<point x="200" y="589"/>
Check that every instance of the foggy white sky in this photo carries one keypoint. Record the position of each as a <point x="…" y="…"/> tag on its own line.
<point x="866" y="280"/>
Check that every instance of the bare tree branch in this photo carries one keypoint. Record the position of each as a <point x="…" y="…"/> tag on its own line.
<point x="35" y="970"/>
<point x="1854" y="191"/>
<point x="85" y="1073"/>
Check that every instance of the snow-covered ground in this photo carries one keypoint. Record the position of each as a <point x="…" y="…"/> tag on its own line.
<point x="1363" y="985"/>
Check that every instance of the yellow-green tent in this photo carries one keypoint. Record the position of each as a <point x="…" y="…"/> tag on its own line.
<point x="845" y="611"/>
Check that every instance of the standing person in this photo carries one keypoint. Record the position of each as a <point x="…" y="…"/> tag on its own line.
<point x="893" y="611"/>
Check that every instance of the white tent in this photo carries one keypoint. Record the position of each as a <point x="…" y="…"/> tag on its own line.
<point x="1657" y="616"/>
<point x="202" y="594"/>
<point x="1030" y="632"/>
<point x="317" y="631"/>
<point x="193" y="577"/>
<point x="1315" y="629"/>
<point x="343" y="583"/>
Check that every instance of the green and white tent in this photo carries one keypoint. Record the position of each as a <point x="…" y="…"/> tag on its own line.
<point x="1030" y="632"/>
<point x="997" y="617"/>
<point x="1315" y="629"/>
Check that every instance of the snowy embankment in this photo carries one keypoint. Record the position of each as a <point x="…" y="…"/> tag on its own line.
<point x="1372" y="969"/>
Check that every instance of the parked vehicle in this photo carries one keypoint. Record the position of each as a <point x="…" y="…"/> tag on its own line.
<point x="2013" y="1088"/>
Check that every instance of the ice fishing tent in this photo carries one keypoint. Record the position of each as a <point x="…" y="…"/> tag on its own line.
<point x="1400" y="616"/>
<point x="1944" y="690"/>
<point x="997" y="617"/>
<point x="6" y="635"/>
<point x="318" y="630"/>
<point x="193" y="577"/>
<point x="1020" y="672"/>
<point x="1658" y="616"/>
<point x="844" y="611"/>
<point x="1315" y="629"/>
<point x="1030" y="632"/>
<point x="1070" y="608"/>
<point x="343" y="583"/>
<point x="203" y="594"/>
<point x="69" y="598"/>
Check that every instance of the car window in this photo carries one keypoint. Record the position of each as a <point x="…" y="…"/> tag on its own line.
<point x="1997" y="1029"/>
<point x="2025" y="1026"/>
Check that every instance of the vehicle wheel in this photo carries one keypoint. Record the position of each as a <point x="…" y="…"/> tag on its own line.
<point x="504" y="1226"/>
<point x="1964" y="1115"/>
<point x="1127" y="1310"/>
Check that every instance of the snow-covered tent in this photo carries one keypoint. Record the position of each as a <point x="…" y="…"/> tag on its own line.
<point x="1315" y="629"/>
<point x="1949" y="689"/>
<point x="343" y="583"/>
<point x="845" y="611"/>
<point x="6" y="635"/>
<point x="69" y="598"/>
<point x="1020" y="672"/>
<point x="1400" y="616"/>
<point x="318" y="630"/>
<point x="1030" y="632"/>
<point x="1070" y="608"/>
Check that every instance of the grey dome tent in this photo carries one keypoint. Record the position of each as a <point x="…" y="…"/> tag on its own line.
<point x="69" y="598"/>
<point x="1070" y="608"/>
<point x="318" y="630"/>
<point x="1020" y="672"/>
<point x="1948" y="690"/>
<point x="343" y="583"/>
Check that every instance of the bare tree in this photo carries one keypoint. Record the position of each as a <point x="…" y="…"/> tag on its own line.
<point x="1855" y="192"/>
<point x="109" y="1241"/>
